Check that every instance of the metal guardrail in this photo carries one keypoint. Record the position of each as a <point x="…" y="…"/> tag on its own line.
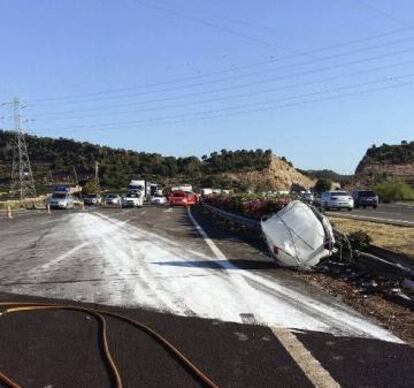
<point x="375" y="258"/>
<point x="244" y="221"/>
<point x="378" y="220"/>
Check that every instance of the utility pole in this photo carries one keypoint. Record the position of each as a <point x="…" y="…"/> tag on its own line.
<point x="97" y="174"/>
<point x="76" y="176"/>
<point x="50" y="174"/>
<point x="22" y="177"/>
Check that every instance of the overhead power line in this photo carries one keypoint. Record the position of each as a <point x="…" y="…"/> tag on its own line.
<point x="77" y="97"/>
<point x="248" y="105"/>
<point x="108" y="110"/>
<point x="152" y="123"/>
<point x="383" y="13"/>
<point x="204" y="22"/>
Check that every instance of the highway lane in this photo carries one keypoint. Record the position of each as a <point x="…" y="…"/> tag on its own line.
<point x="155" y="261"/>
<point x="386" y="212"/>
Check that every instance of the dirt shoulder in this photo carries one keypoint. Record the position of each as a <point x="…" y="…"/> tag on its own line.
<point x="393" y="316"/>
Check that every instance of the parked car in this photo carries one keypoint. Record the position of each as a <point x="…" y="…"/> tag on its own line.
<point x="92" y="199"/>
<point x="61" y="200"/>
<point x="307" y="197"/>
<point x="113" y="199"/>
<point x="337" y="200"/>
<point x="158" y="199"/>
<point x="182" y="198"/>
<point x="364" y="198"/>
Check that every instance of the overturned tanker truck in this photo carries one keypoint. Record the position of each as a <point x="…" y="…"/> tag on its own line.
<point x="298" y="236"/>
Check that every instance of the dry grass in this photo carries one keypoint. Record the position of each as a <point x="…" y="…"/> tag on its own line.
<point x="16" y="204"/>
<point x="396" y="238"/>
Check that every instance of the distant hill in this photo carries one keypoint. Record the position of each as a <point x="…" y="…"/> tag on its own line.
<point x="327" y="174"/>
<point x="56" y="160"/>
<point x="387" y="161"/>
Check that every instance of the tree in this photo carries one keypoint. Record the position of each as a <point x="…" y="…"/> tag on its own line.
<point x="90" y="188"/>
<point x="323" y="184"/>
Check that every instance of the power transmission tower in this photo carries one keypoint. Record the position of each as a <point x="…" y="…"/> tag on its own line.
<point x="22" y="177"/>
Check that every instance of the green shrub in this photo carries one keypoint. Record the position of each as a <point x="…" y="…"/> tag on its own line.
<point x="323" y="184"/>
<point x="359" y="240"/>
<point x="394" y="191"/>
<point x="90" y="188"/>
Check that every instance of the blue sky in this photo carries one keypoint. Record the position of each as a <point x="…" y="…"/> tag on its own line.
<point x="316" y="81"/>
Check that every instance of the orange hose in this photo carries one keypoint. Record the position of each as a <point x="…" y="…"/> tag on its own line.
<point x="28" y="306"/>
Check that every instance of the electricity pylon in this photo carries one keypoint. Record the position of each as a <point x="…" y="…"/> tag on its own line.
<point x="22" y="177"/>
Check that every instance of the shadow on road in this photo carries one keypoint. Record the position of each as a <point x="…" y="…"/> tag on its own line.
<point x="220" y="264"/>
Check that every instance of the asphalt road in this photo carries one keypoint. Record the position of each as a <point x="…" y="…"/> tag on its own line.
<point x="398" y="214"/>
<point x="220" y="300"/>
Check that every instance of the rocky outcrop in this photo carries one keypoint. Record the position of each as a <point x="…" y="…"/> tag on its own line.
<point x="279" y="176"/>
<point x="387" y="161"/>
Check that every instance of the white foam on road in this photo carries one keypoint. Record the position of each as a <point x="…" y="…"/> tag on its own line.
<point x="121" y="264"/>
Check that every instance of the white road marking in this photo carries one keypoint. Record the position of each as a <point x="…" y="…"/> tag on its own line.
<point x="219" y="254"/>
<point x="169" y="210"/>
<point x="62" y="257"/>
<point x="310" y="366"/>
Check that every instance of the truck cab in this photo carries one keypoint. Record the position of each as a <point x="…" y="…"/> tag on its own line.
<point x="133" y="198"/>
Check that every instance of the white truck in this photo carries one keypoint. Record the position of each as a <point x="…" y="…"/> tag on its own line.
<point x="135" y="195"/>
<point x="183" y="187"/>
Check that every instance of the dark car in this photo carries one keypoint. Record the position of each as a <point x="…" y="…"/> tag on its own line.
<point x="364" y="198"/>
<point x="93" y="199"/>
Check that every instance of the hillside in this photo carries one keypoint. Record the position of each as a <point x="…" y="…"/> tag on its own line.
<point x="342" y="179"/>
<point x="56" y="160"/>
<point x="278" y="175"/>
<point x="387" y="161"/>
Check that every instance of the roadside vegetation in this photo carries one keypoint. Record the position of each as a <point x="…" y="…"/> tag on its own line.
<point x="396" y="238"/>
<point x="391" y="191"/>
<point x="249" y="205"/>
<point x="36" y="203"/>
<point x="323" y="184"/>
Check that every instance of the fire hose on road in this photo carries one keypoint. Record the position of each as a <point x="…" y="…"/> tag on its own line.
<point x="99" y="315"/>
